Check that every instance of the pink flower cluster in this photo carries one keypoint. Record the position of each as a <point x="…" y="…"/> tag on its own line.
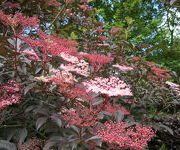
<point x="115" y="30"/>
<point x="69" y="58"/>
<point x="81" y="68"/>
<point x="174" y="87"/>
<point x="151" y="64"/>
<point x="54" y="2"/>
<point x="97" y="61"/>
<point x="160" y="70"/>
<point x="123" y="67"/>
<point x="81" y="116"/>
<point x="103" y="44"/>
<point x="30" y="54"/>
<point x="75" y="91"/>
<point x="84" y="6"/>
<point x="11" y="5"/>
<point x="100" y="30"/>
<point x="136" y="58"/>
<point x="161" y="73"/>
<point x="10" y="94"/>
<point x="102" y="38"/>
<point x="58" y="77"/>
<point x="51" y="45"/>
<point x="66" y="83"/>
<point x="112" y="108"/>
<point x="111" y="86"/>
<point x="69" y="1"/>
<point x="119" y="135"/>
<point x="18" y="19"/>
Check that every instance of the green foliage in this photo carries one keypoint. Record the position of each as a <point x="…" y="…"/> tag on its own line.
<point x="151" y="22"/>
<point x="169" y="57"/>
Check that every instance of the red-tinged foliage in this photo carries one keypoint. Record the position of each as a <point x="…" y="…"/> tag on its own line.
<point x="68" y="92"/>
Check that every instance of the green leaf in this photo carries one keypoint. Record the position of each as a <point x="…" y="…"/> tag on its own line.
<point x="93" y="138"/>
<point x="119" y="116"/>
<point x="23" y="135"/>
<point x="7" y="145"/>
<point x="57" y="120"/>
<point x="73" y="36"/>
<point x="40" y="122"/>
<point x="97" y="101"/>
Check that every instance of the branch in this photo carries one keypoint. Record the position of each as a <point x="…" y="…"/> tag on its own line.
<point x="56" y="16"/>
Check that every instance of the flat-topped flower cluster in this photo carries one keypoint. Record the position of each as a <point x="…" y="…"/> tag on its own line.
<point x="111" y="86"/>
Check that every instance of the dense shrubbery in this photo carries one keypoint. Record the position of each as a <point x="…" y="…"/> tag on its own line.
<point x="67" y="83"/>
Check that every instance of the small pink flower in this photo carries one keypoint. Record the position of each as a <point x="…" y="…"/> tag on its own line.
<point x="136" y="58"/>
<point x="123" y="67"/>
<point x="151" y="64"/>
<point x="69" y="1"/>
<point x="68" y="11"/>
<point x="54" y="2"/>
<point x="103" y="44"/>
<point x="175" y="87"/>
<point x="116" y="29"/>
<point x="102" y="38"/>
<point x="84" y="6"/>
<point x="100" y="30"/>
